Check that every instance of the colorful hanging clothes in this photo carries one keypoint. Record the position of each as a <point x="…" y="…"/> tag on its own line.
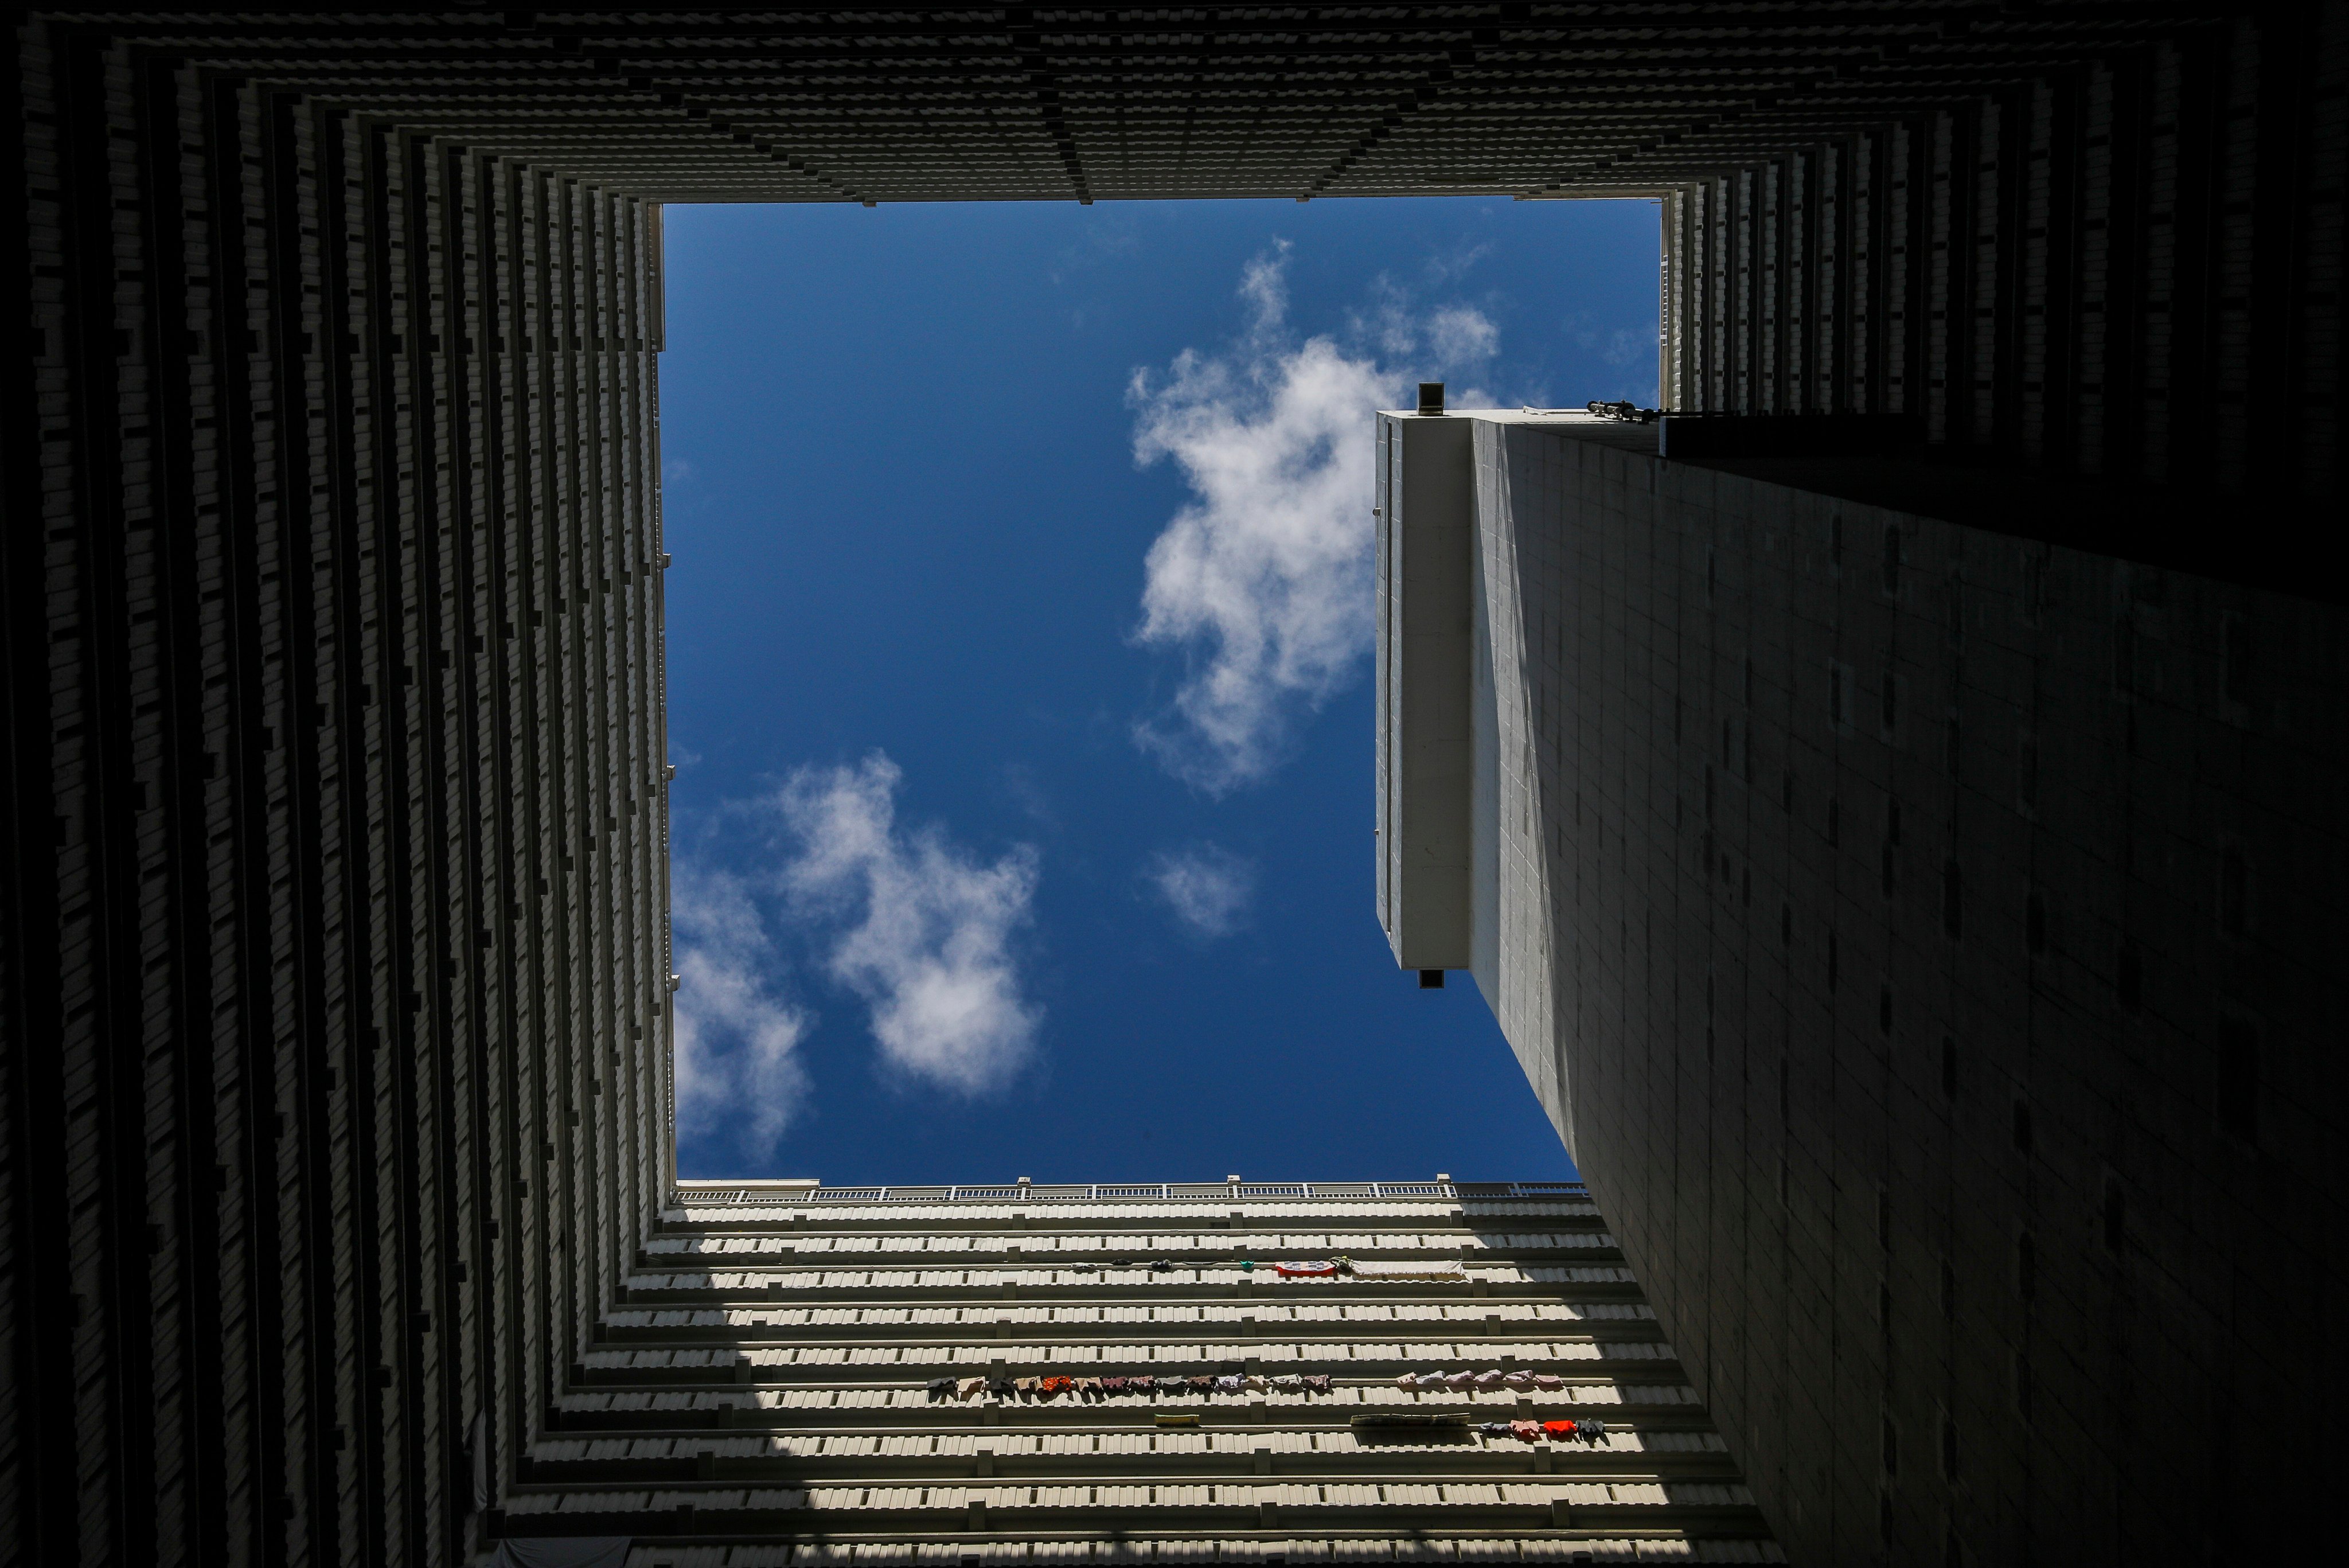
<point x="1547" y="1380"/>
<point x="1317" y="1383"/>
<point x="969" y="1387"/>
<point x="1558" y="1431"/>
<point x="1458" y="1379"/>
<point x="1488" y="1380"/>
<point x="1230" y="1384"/>
<point x="1518" y="1379"/>
<point x="1593" y="1430"/>
<point x="1526" y="1431"/>
<point x="1305" y="1270"/>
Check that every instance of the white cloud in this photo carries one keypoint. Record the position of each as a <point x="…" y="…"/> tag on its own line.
<point x="737" y="1042"/>
<point x="1462" y="335"/>
<point x="1208" y="888"/>
<point x="1629" y="345"/>
<point x="930" y="948"/>
<point x="1264" y="578"/>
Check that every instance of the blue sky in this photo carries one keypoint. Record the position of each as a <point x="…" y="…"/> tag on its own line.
<point x="1017" y="677"/>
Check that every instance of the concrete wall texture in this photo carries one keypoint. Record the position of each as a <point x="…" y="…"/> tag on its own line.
<point x="1927" y="940"/>
<point x="762" y="1392"/>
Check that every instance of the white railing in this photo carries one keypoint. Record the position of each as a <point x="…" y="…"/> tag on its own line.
<point x="701" y="1193"/>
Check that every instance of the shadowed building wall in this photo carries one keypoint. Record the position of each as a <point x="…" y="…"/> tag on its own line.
<point x="1923" y="935"/>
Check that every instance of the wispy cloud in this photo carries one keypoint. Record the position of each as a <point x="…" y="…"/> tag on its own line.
<point x="1208" y="888"/>
<point x="738" y="1069"/>
<point x="1263" y="580"/>
<point x="924" y="929"/>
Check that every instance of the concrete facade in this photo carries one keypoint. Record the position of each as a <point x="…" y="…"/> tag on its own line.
<point x="1923" y="937"/>
<point x="763" y="1390"/>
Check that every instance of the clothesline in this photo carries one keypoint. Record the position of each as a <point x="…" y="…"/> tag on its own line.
<point x="1143" y="1387"/>
<point x="1114" y="1386"/>
<point x="1447" y="1271"/>
<point x="1590" y="1430"/>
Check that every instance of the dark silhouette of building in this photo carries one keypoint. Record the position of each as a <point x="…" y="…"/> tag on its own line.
<point x="333" y="970"/>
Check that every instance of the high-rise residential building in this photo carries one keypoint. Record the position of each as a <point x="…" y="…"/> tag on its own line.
<point x="334" y="961"/>
<point x="1349" y="1372"/>
<point x="1865" y="885"/>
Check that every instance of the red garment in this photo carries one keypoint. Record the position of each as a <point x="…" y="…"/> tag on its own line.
<point x="1558" y="1431"/>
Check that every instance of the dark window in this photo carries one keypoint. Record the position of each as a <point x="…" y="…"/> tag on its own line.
<point x="1949" y="1066"/>
<point x="1708" y="791"/>
<point x="1891" y="700"/>
<point x="1835" y="542"/>
<point x="2129" y="978"/>
<point x="1711" y="571"/>
<point x="1786" y="790"/>
<point x="1949" y="1291"/>
<point x="1786" y="925"/>
<point x="1835" y="823"/>
<point x="2023" y="1386"/>
<point x="1884" y="1218"/>
<point x="1884" y="1516"/>
<point x="1785" y="1069"/>
<point x="2026" y="773"/>
<point x="1951" y="745"/>
<point x="1888" y="868"/>
<point x="1892" y="821"/>
<point x="1831" y="960"/>
<point x="1884" y="1009"/>
<point x="1749" y="681"/>
<point x="1746" y="893"/>
<point x="2034" y="924"/>
<point x="1950" y="1454"/>
<point x="1954" y="896"/>
<point x="2239" y="1079"/>
<point x="2023" y="1126"/>
<point x="1891" y="1447"/>
<point x="2026" y="1267"/>
<point x="1677" y="709"/>
<point x="1891" y="558"/>
<point x="2116" y="1214"/>
<point x="2230" y="890"/>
